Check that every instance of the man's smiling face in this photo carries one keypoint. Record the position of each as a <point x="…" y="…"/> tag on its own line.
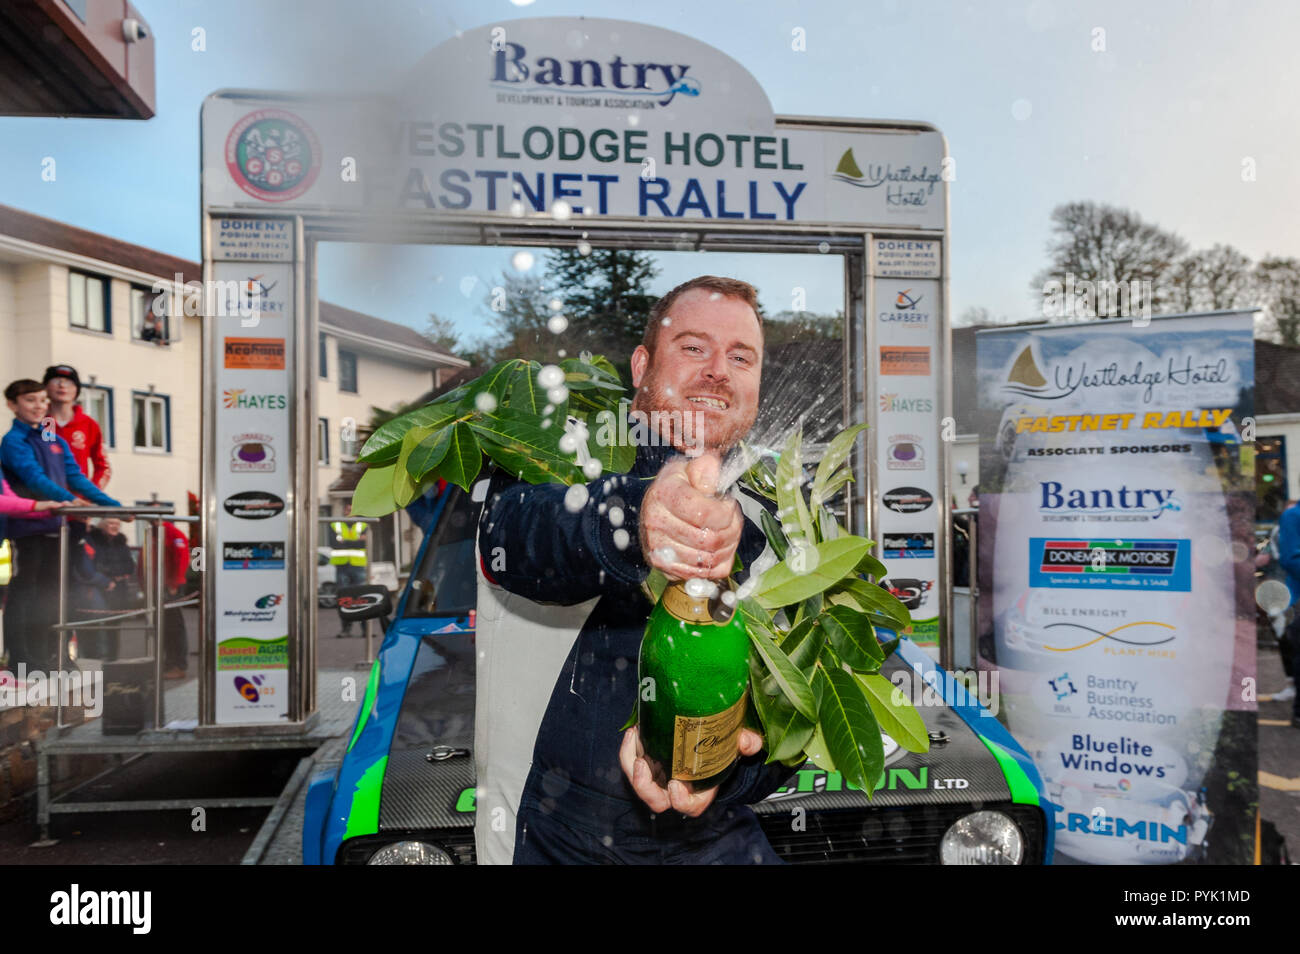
<point x="706" y="368"/>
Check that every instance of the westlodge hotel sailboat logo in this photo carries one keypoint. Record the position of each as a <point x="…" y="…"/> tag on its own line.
<point x="1146" y="376"/>
<point x="904" y="186"/>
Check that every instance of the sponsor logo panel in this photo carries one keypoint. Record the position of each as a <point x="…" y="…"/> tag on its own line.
<point x="1110" y="563"/>
<point x="241" y="555"/>
<point x="905" y="359"/>
<point x="908" y="545"/>
<point x="905" y="452"/>
<point x="907" y="499"/>
<point x="253" y="505"/>
<point x="262" y="354"/>
<point x="252" y="453"/>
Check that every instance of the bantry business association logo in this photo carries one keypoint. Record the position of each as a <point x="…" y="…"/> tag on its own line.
<point x="273" y="155"/>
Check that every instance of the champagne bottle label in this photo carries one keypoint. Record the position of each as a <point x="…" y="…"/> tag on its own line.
<point x="705" y="745"/>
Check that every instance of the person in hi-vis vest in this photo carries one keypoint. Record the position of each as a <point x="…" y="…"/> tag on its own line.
<point x="348" y="554"/>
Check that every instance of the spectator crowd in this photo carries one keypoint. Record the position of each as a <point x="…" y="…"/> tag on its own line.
<point x="53" y="457"/>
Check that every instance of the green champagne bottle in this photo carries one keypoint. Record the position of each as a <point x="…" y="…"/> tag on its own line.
<point x="695" y="656"/>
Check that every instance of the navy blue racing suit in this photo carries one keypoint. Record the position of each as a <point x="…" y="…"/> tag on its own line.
<point x="577" y="806"/>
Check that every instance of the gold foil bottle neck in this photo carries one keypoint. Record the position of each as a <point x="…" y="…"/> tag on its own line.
<point x="692" y="609"/>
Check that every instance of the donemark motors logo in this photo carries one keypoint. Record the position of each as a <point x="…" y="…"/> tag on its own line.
<point x="1110" y="564"/>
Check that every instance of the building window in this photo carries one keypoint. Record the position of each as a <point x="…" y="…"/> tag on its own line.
<point x="97" y="402"/>
<point x="150" y="318"/>
<point x="88" y="303"/>
<point x="347" y="371"/>
<point x="152" y="422"/>
<point x="323" y="439"/>
<point x="324" y="357"/>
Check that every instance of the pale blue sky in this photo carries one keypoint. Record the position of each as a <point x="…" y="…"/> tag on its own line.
<point x="1159" y="123"/>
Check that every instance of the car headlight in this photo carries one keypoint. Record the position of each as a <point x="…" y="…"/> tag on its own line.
<point x="410" y="853"/>
<point x="982" y="838"/>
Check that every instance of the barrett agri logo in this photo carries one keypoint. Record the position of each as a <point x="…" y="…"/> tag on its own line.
<point x="511" y="67"/>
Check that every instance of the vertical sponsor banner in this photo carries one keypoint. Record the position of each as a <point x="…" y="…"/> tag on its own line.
<point x="907" y="313"/>
<point x="1116" y="521"/>
<point x="252" y="476"/>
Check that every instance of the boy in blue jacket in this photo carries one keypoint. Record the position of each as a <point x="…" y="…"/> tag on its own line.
<point x="38" y="464"/>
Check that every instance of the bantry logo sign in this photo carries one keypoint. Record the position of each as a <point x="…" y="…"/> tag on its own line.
<point x="662" y="82"/>
<point x="1059" y="502"/>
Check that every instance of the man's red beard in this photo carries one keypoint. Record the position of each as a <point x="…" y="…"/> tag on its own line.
<point x="686" y="427"/>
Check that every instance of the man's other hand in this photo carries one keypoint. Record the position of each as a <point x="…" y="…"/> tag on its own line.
<point x="677" y="796"/>
<point x="686" y="531"/>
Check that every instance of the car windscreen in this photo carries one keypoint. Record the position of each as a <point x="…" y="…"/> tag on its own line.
<point x="445" y="583"/>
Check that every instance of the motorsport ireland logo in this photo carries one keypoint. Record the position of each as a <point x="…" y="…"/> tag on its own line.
<point x="273" y="155"/>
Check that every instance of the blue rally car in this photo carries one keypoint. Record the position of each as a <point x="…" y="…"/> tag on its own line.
<point x="404" y="792"/>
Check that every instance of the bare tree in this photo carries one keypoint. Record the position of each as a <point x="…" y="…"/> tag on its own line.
<point x="1212" y="280"/>
<point x="1278" y="281"/>
<point x="1102" y="244"/>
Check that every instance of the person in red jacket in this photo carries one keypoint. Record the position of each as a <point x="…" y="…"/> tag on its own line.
<point x="176" y="558"/>
<point x="74" y="425"/>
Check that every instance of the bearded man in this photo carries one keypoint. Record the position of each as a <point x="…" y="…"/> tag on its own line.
<point x="557" y="781"/>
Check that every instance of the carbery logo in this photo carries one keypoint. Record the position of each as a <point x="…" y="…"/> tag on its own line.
<point x="661" y="81"/>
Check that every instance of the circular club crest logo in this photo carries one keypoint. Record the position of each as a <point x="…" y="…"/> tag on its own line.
<point x="273" y="155"/>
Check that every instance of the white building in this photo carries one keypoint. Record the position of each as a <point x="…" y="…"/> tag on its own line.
<point x="70" y="296"/>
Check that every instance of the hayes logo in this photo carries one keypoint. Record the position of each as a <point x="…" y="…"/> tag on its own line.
<point x="907" y="499"/>
<point x="252" y="556"/>
<point x="1111" y="564"/>
<point x="273" y="155"/>
<point x="258" y="354"/>
<point x="252" y="454"/>
<point x="242" y="399"/>
<point x="1105" y="504"/>
<point x="895" y="403"/>
<point x="253" y="505"/>
<point x="905" y="453"/>
<point x="659" y="81"/>
<point x="904" y="359"/>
